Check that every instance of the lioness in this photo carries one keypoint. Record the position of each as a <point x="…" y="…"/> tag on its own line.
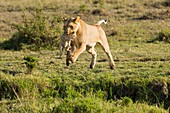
<point x="86" y="36"/>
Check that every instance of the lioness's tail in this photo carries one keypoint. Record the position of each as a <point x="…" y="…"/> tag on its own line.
<point x="101" y="21"/>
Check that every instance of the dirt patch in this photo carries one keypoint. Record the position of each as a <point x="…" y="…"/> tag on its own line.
<point x="100" y="12"/>
<point x="154" y="16"/>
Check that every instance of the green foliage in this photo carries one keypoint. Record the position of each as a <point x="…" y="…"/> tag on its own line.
<point x="139" y="84"/>
<point x="30" y="63"/>
<point x="7" y="90"/>
<point x="127" y="101"/>
<point x="163" y="36"/>
<point x="38" y="32"/>
<point x="31" y="92"/>
<point x="83" y="8"/>
<point x="107" y="87"/>
<point x="96" y="105"/>
<point x="79" y="105"/>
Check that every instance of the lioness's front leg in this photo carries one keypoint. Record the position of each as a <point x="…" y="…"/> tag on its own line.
<point x="80" y="50"/>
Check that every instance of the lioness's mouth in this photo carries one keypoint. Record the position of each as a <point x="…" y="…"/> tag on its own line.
<point x="71" y="35"/>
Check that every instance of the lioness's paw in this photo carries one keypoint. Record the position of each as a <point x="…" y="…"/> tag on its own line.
<point x="112" y="67"/>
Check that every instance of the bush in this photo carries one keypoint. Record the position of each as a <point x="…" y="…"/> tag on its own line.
<point x="126" y="101"/>
<point x="132" y="89"/>
<point x="153" y="91"/>
<point x="30" y="63"/>
<point x="79" y="105"/>
<point x="96" y="105"/>
<point x="7" y="90"/>
<point x="39" y="32"/>
<point x="163" y="36"/>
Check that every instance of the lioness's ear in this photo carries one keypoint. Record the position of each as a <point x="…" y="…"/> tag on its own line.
<point x="77" y="19"/>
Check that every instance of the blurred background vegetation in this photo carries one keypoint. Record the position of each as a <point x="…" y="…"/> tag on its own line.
<point x="138" y="33"/>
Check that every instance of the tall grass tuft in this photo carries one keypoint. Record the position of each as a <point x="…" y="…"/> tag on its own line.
<point x="30" y="63"/>
<point x="163" y="36"/>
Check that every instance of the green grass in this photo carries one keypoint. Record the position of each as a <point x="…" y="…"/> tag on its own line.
<point x="140" y="82"/>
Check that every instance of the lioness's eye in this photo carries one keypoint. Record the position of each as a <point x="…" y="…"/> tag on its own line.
<point x="71" y="27"/>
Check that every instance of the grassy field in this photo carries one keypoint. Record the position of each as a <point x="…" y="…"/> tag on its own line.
<point x="139" y="37"/>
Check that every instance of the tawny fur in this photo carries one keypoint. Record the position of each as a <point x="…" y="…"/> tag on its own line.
<point x="85" y="37"/>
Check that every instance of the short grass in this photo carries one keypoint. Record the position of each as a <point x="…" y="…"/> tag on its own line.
<point x="142" y="67"/>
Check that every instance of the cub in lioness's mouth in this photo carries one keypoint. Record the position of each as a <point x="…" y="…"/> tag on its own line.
<point x="86" y="36"/>
<point x="66" y="43"/>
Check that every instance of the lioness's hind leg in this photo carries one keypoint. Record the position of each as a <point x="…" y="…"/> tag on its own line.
<point x="106" y="49"/>
<point x="94" y="56"/>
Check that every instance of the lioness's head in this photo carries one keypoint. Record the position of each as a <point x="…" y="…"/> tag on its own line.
<point x="71" y="26"/>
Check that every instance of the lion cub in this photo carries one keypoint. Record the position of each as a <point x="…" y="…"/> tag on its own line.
<point x="64" y="43"/>
<point x="67" y="44"/>
<point x="86" y="36"/>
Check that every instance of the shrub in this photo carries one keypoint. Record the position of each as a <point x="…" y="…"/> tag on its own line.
<point x="96" y="105"/>
<point x="79" y="105"/>
<point x="128" y="89"/>
<point x="7" y="90"/>
<point x="163" y="36"/>
<point x="30" y="63"/>
<point x="153" y="91"/>
<point x="126" y="101"/>
<point x="38" y="32"/>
